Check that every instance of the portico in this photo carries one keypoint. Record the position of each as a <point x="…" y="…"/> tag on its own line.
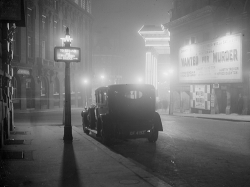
<point x="157" y="55"/>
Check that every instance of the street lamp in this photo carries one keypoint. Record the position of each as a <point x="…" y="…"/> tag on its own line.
<point x="139" y="80"/>
<point x="67" y="127"/>
<point x="102" y="79"/>
<point x="67" y="54"/>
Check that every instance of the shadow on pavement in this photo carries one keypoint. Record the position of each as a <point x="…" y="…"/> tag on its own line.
<point x="69" y="173"/>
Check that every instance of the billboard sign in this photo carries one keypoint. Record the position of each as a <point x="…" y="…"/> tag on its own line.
<point x="217" y="61"/>
<point x="67" y="54"/>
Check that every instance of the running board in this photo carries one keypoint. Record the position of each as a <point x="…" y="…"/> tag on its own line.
<point x="94" y="132"/>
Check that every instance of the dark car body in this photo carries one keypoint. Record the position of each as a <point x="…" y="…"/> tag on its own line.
<point x="124" y="111"/>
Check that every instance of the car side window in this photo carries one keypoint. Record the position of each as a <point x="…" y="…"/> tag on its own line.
<point x="103" y="97"/>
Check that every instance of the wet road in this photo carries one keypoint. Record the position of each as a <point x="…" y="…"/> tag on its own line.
<point x="190" y="152"/>
<point x="193" y="152"/>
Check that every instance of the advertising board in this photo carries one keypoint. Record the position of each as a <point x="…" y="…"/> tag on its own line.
<point x="67" y="54"/>
<point x="201" y="96"/>
<point x="219" y="61"/>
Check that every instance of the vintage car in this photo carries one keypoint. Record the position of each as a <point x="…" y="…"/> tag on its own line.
<point x="123" y="111"/>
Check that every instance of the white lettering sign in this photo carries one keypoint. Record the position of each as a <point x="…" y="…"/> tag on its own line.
<point x="218" y="60"/>
<point x="72" y="54"/>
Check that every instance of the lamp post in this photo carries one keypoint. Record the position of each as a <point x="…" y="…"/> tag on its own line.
<point x="67" y="106"/>
<point x="67" y="54"/>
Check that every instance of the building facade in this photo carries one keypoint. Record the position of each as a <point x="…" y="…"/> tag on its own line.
<point x="29" y="76"/>
<point x="38" y="81"/>
<point x="210" y="51"/>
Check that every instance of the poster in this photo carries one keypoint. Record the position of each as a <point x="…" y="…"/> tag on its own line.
<point x="201" y="97"/>
<point x="218" y="61"/>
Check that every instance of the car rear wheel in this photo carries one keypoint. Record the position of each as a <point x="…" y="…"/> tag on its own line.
<point x="106" y="139"/>
<point x="153" y="135"/>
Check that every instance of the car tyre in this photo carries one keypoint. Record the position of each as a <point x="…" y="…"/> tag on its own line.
<point x="153" y="135"/>
<point x="106" y="140"/>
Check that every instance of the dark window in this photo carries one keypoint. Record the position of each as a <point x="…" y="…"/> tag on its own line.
<point x="55" y="4"/>
<point x="30" y="16"/>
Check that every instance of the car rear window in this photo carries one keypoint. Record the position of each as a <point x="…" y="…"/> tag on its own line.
<point x="133" y="94"/>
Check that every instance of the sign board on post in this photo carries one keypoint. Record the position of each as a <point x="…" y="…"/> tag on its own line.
<point x="67" y="54"/>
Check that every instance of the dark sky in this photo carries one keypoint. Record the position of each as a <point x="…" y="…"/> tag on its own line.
<point x="121" y="20"/>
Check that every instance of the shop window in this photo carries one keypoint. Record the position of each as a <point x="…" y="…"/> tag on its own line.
<point x="43" y="87"/>
<point x="28" y="83"/>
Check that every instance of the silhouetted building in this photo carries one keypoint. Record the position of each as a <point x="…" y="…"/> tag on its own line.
<point x="210" y="47"/>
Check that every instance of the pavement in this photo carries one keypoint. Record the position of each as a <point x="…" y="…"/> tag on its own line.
<point x="38" y="156"/>
<point x="44" y="159"/>
<point x="224" y="117"/>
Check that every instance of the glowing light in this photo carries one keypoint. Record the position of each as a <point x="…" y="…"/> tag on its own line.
<point x="139" y="80"/>
<point x="102" y="77"/>
<point x="168" y="72"/>
<point x="85" y="81"/>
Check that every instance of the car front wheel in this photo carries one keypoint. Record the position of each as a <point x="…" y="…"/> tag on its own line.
<point x="86" y="131"/>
